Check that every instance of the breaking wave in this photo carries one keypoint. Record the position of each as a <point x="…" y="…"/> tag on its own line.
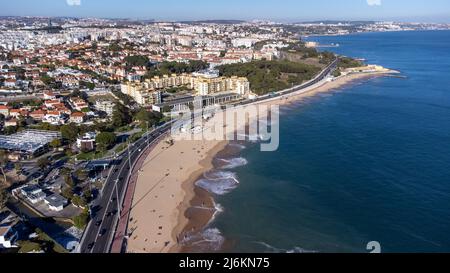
<point x="237" y="145"/>
<point x="210" y="239"/>
<point x="233" y="162"/>
<point x="218" y="182"/>
<point x="296" y="249"/>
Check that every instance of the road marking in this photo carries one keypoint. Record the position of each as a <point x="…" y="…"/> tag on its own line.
<point x="106" y="210"/>
<point x="112" y="192"/>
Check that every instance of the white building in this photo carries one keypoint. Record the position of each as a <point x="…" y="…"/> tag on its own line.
<point x="33" y="193"/>
<point x="55" y="202"/>
<point x="106" y="106"/>
<point x="243" y="42"/>
<point x="87" y="142"/>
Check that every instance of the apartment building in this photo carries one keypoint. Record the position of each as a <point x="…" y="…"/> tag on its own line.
<point x="203" y="84"/>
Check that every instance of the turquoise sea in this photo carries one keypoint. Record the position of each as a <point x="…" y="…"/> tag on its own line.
<point x="366" y="162"/>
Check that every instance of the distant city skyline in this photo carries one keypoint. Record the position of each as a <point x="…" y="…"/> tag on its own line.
<point x="437" y="11"/>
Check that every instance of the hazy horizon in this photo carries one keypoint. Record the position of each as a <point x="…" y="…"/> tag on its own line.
<point x="197" y="10"/>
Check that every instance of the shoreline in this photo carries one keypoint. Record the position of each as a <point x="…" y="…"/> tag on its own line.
<point x="195" y="197"/>
<point x="195" y="207"/>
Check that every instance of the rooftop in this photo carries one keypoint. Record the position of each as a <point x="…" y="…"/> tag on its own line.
<point x="28" y="141"/>
<point x="56" y="200"/>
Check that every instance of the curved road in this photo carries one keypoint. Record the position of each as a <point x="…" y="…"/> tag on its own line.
<point x="99" y="233"/>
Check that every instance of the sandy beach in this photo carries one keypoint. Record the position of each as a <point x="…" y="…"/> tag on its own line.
<point x="167" y="204"/>
<point x="162" y="190"/>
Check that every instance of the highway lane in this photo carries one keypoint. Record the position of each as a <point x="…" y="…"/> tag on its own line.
<point x="100" y="230"/>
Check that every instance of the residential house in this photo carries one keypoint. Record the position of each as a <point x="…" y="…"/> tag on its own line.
<point x="87" y="141"/>
<point x="55" y="202"/>
<point x="38" y="114"/>
<point x="11" y="122"/>
<point x="33" y="193"/>
<point x="4" y="110"/>
<point x="77" y="117"/>
<point x="54" y="118"/>
<point x="49" y="95"/>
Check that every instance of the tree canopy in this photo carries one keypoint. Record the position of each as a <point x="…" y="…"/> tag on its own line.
<point x="166" y="68"/>
<point x="69" y="132"/>
<point x="270" y="76"/>
<point x="137" y="60"/>
<point x="121" y="115"/>
<point x="104" y="140"/>
<point x="81" y="220"/>
<point x="149" y="118"/>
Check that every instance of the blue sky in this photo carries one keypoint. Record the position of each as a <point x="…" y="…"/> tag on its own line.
<point x="280" y="10"/>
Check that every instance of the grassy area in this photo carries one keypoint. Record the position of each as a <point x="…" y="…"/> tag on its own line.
<point x="135" y="137"/>
<point x="346" y="62"/>
<point x="90" y="155"/>
<point x="120" y="147"/>
<point x="29" y="246"/>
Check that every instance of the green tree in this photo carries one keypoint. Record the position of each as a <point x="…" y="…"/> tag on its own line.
<point x="87" y="195"/>
<point x="147" y="118"/>
<point x="78" y="201"/>
<point x="137" y="60"/>
<point x="67" y="192"/>
<point x="81" y="220"/>
<point x="69" y="132"/>
<point x="43" y="163"/>
<point x="47" y="80"/>
<point x="336" y="73"/>
<point x="69" y="181"/>
<point x="121" y="115"/>
<point x="82" y="174"/>
<point x="56" y="143"/>
<point x="104" y="140"/>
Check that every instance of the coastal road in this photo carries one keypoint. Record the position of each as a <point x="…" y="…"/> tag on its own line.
<point x="100" y="230"/>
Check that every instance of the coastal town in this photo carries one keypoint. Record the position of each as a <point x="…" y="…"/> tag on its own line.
<point x="82" y="100"/>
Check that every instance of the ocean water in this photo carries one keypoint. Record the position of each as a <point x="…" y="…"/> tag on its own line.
<point x="366" y="162"/>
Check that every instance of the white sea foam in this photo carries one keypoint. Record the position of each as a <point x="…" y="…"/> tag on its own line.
<point x="218" y="182"/>
<point x="218" y="209"/>
<point x="210" y="239"/>
<point x="296" y="249"/>
<point x="233" y="162"/>
<point x="252" y="138"/>
<point x="237" y="145"/>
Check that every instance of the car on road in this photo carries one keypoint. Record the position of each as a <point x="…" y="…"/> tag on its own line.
<point x="98" y="223"/>
<point x="102" y="232"/>
<point x="90" y="246"/>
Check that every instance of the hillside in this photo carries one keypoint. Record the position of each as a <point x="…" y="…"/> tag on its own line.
<point x="270" y="76"/>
